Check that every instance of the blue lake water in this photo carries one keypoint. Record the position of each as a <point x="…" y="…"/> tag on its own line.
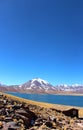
<point x="54" y="99"/>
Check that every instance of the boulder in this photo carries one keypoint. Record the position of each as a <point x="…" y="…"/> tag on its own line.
<point x="48" y="124"/>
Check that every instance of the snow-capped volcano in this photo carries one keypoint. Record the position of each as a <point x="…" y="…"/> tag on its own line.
<point x="37" y="85"/>
<point x="41" y="81"/>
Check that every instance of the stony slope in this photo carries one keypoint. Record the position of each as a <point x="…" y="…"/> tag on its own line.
<point x="15" y="114"/>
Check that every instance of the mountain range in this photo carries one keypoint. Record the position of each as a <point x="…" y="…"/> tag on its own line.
<point x="38" y="85"/>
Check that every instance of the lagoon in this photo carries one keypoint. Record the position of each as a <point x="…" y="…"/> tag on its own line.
<point x="69" y="100"/>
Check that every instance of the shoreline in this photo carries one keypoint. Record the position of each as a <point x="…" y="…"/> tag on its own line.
<point x="70" y="94"/>
<point x="64" y="94"/>
<point x="42" y="104"/>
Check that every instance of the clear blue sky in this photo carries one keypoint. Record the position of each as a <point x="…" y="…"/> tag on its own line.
<point x="41" y="38"/>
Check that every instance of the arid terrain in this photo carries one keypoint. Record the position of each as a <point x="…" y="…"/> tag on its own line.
<point x="21" y="114"/>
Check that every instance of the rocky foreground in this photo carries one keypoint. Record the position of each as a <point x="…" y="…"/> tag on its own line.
<point x="18" y="115"/>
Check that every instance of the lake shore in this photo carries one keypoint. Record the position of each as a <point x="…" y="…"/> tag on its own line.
<point x="69" y="94"/>
<point x="57" y="93"/>
<point x="23" y="114"/>
<point x="42" y="104"/>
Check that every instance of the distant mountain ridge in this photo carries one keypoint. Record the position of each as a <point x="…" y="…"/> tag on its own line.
<point x="38" y="85"/>
<point x="77" y="88"/>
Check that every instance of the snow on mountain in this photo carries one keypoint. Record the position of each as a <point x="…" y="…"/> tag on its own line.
<point x="1" y="84"/>
<point x="73" y="88"/>
<point x="41" y="86"/>
<point x="41" y="81"/>
<point x="37" y="85"/>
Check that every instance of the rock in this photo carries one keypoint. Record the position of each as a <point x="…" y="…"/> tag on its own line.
<point x="28" y="117"/>
<point x="26" y="120"/>
<point x="1" y="124"/>
<point x="43" y="127"/>
<point x="48" y="124"/>
<point x="4" y="101"/>
<point x="34" y="128"/>
<point x="21" y="112"/>
<point x="52" y="118"/>
<point x="1" y="105"/>
<point x="39" y="119"/>
<point x="9" y="106"/>
<point x="8" y="119"/>
<point x="26" y="108"/>
<point x="38" y="123"/>
<point x="17" y="106"/>
<point x="59" y="124"/>
<point x="3" y="112"/>
<point x="1" y="95"/>
<point x="11" y="126"/>
<point x="11" y="123"/>
<point x="14" y="128"/>
<point x="2" y="118"/>
<point x="21" y="121"/>
<point x="32" y="122"/>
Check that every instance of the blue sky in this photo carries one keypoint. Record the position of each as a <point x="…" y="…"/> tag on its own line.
<point x="41" y="38"/>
